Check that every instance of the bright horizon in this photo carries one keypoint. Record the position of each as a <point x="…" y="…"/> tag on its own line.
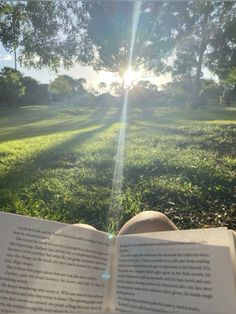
<point x="93" y="78"/>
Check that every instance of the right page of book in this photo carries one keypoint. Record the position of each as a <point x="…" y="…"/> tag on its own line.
<point x="175" y="272"/>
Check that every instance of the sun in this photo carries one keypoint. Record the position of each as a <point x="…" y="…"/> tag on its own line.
<point x="130" y="76"/>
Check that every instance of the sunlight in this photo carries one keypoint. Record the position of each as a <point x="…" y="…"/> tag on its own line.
<point x="131" y="77"/>
<point x="117" y="183"/>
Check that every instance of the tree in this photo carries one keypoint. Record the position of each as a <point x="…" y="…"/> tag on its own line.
<point x="55" y="32"/>
<point x="176" y="93"/>
<point x="102" y="87"/>
<point x="124" y="34"/>
<point x="62" y="87"/>
<point x="82" y="82"/>
<point x="31" y="89"/>
<point x="34" y="92"/>
<point x="144" y="93"/>
<point x="147" y="85"/>
<point x="210" y="92"/>
<point x="200" y="37"/>
<point x="78" y="86"/>
<point x="192" y="39"/>
<point x="115" y="35"/>
<point x="12" y="15"/>
<point x="222" y="55"/>
<point x="116" y="88"/>
<point x="65" y="86"/>
<point x="109" y="30"/>
<point x="229" y="87"/>
<point x="47" y="33"/>
<point x="11" y="87"/>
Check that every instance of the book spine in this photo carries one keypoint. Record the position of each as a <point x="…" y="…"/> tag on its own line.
<point x="109" y="293"/>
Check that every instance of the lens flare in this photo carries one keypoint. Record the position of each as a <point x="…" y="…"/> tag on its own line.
<point x="116" y="194"/>
<point x="136" y="14"/>
<point x="130" y="77"/>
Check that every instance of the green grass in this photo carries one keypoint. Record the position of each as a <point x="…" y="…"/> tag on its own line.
<point x="57" y="162"/>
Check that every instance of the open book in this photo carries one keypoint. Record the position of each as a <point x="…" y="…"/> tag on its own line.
<point x="50" y="267"/>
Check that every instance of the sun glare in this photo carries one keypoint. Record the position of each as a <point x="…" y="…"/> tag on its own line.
<point x="130" y="77"/>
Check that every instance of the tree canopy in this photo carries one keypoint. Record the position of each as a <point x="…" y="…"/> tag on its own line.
<point x="46" y="33"/>
<point x="182" y="37"/>
<point x="11" y="87"/>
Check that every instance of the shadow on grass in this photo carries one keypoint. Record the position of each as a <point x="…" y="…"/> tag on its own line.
<point x="18" y="175"/>
<point x="175" y="115"/>
<point x="213" y="184"/>
<point x="41" y="192"/>
<point x="73" y="122"/>
<point x="207" y="187"/>
<point x="49" y="159"/>
<point x="220" y="139"/>
<point x="92" y="209"/>
<point x="29" y="184"/>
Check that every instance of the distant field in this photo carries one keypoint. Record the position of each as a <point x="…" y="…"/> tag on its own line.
<point x="57" y="162"/>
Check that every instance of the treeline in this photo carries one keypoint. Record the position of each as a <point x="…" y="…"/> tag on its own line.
<point x="16" y="89"/>
<point x="179" y="92"/>
<point x="184" y="38"/>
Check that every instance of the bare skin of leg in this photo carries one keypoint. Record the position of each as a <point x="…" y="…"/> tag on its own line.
<point x="85" y="226"/>
<point x="147" y="221"/>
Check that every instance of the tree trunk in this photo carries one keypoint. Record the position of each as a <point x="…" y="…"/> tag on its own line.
<point x="202" y="49"/>
<point x="15" y="58"/>
<point x="14" y="26"/>
<point x="196" y="87"/>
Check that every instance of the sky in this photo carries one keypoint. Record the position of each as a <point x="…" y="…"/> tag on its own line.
<point x="93" y="78"/>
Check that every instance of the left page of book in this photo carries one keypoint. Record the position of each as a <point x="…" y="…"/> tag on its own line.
<point x="51" y="267"/>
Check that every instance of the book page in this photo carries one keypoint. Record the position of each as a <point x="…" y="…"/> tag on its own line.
<point x="212" y="236"/>
<point x="105" y="312"/>
<point x="173" y="276"/>
<point x="51" y="267"/>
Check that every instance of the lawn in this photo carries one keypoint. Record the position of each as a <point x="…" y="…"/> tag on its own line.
<point x="57" y="162"/>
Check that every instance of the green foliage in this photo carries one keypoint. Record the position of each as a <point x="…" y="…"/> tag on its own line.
<point x="231" y="77"/>
<point x="144" y="92"/>
<point x="102" y="87"/>
<point x="18" y="89"/>
<point x="32" y="91"/>
<point x="57" y="163"/>
<point x="61" y="86"/>
<point x="229" y="85"/>
<point x="210" y="92"/>
<point x="222" y="56"/>
<point x="179" y="37"/>
<point x="66" y="87"/>
<point x="176" y="93"/>
<point x="15" y="89"/>
<point x="116" y="88"/>
<point x="12" y="16"/>
<point x="11" y="87"/>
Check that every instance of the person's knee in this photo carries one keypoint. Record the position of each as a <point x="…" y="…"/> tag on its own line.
<point x="84" y="226"/>
<point x="147" y="221"/>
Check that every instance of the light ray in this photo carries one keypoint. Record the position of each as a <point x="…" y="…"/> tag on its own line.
<point x="117" y="184"/>
<point x="136" y="14"/>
